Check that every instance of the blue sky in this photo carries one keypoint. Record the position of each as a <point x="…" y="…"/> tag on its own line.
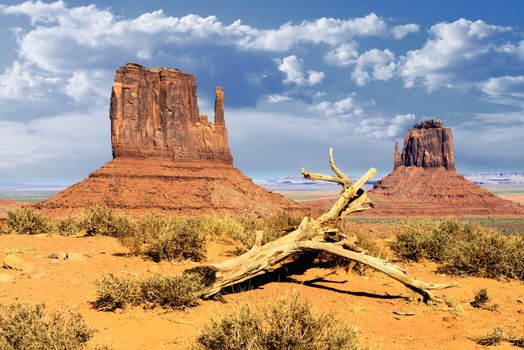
<point x="298" y="77"/>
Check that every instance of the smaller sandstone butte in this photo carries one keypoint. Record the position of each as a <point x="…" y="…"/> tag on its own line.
<point x="424" y="181"/>
<point x="167" y="156"/>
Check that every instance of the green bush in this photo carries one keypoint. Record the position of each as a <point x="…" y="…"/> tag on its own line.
<point x="101" y="220"/>
<point x="27" y="221"/>
<point x="176" y="292"/>
<point x="286" y="324"/>
<point x="462" y="248"/>
<point x="28" y="328"/>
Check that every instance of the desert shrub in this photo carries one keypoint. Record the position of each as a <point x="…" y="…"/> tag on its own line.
<point x="3" y="231"/>
<point x="482" y="301"/>
<point x="174" y="292"/>
<point x="179" y="241"/>
<point x="163" y="238"/>
<point x="28" y="328"/>
<point x="462" y="248"/>
<point x="286" y="324"/>
<point x="69" y="226"/>
<point x="171" y="291"/>
<point x="101" y="220"/>
<point x="27" y="221"/>
<point x="117" y="292"/>
<point x="494" y="337"/>
<point x="222" y="226"/>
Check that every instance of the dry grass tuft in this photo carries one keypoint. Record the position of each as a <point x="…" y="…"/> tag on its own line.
<point x="163" y="238"/>
<point x="494" y="337"/>
<point x="27" y="327"/>
<point x="285" y="324"/>
<point x="482" y="299"/>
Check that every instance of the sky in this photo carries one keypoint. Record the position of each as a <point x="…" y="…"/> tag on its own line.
<point x="298" y="77"/>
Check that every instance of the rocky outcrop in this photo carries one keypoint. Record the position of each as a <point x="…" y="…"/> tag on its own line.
<point x="154" y="112"/>
<point x="424" y="182"/>
<point x="428" y="145"/>
<point x="167" y="156"/>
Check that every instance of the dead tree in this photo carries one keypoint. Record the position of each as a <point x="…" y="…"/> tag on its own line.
<point x="313" y="234"/>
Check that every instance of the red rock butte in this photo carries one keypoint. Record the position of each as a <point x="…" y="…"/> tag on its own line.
<point x="424" y="181"/>
<point x="166" y="155"/>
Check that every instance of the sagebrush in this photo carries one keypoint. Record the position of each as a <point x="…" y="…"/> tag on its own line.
<point x="27" y="221"/>
<point x="176" y="292"/>
<point x="24" y="327"/>
<point x="163" y="238"/>
<point x="462" y="248"/>
<point x="285" y="324"/>
<point x="101" y="220"/>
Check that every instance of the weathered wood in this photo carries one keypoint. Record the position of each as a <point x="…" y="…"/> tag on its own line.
<point x="312" y="235"/>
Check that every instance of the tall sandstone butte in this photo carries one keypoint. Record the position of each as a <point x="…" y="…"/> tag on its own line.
<point x="424" y="181"/>
<point x="166" y="156"/>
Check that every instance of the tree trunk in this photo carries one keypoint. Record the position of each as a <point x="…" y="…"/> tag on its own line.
<point x="315" y="235"/>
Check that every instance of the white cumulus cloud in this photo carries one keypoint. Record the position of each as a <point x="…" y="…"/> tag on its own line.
<point x="374" y="64"/>
<point x="460" y="54"/>
<point x="382" y="128"/>
<point x="346" y="107"/>
<point x="293" y="67"/>
<point x="342" y="55"/>
<point x="400" y="31"/>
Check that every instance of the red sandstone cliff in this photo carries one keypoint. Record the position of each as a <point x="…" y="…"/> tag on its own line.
<point x="428" y="145"/>
<point x="154" y="112"/>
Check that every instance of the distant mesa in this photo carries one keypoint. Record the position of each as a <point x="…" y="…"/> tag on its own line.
<point x="166" y="155"/>
<point x="424" y="181"/>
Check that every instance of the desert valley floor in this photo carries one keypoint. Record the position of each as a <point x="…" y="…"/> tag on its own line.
<point x="387" y="314"/>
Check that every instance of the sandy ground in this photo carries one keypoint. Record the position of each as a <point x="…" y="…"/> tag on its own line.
<point x="367" y="302"/>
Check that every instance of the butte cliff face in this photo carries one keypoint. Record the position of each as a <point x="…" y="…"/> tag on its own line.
<point x="428" y="145"/>
<point x="154" y="112"/>
<point x="166" y="155"/>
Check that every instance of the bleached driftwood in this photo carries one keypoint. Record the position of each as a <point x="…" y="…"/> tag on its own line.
<point x="313" y="234"/>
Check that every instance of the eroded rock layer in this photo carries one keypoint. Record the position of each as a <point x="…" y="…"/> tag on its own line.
<point x="154" y="112"/>
<point x="416" y="191"/>
<point x="139" y="185"/>
<point x="428" y="145"/>
<point x="167" y="156"/>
